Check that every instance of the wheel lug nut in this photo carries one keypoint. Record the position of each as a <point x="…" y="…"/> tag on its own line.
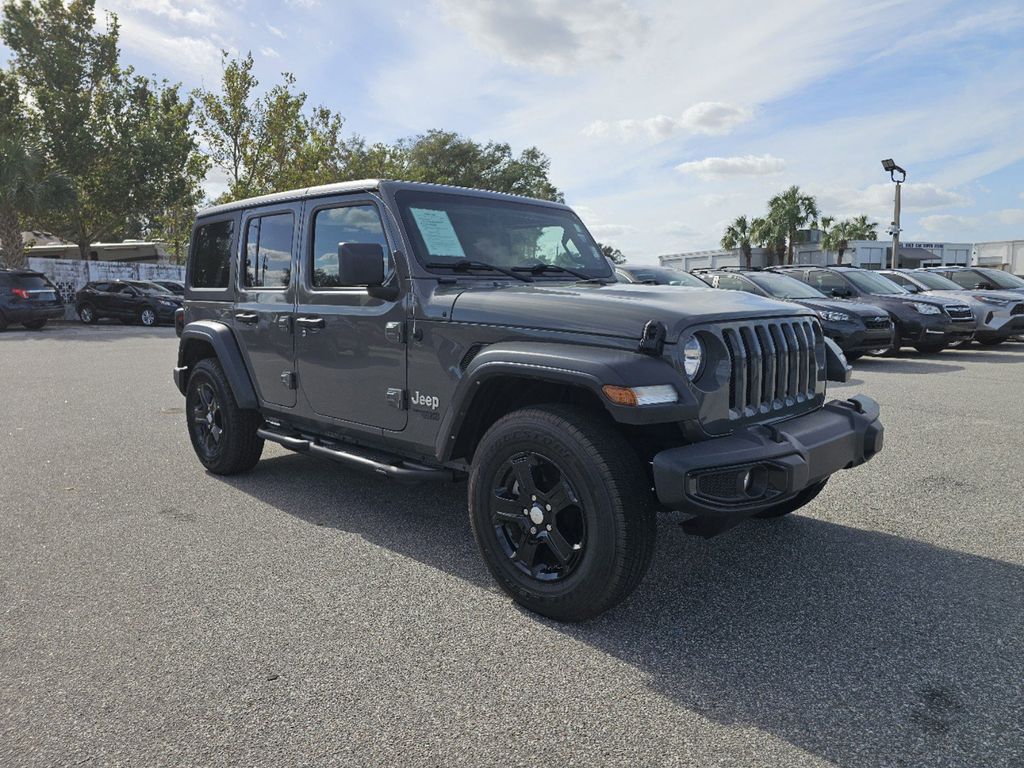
<point x="533" y="530"/>
<point x="547" y="507"/>
<point x="533" y="498"/>
<point x="526" y="511"/>
<point x="549" y="527"/>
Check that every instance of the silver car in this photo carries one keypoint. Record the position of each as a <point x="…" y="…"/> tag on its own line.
<point x="1000" y="314"/>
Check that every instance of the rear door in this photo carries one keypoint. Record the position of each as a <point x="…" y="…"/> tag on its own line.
<point x="265" y="306"/>
<point x="349" y="346"/>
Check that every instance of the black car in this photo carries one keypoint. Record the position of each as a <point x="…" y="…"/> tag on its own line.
<point x="28" y="298"/>
<point x="856" y="327"/>
<point x="925" y="323"/>
<point x="981" y="278"/>
<point x="629" y="273"/>
<point x="178" y="289"/>
<point x="126" y="300"/>
<point x="429" y="333"/>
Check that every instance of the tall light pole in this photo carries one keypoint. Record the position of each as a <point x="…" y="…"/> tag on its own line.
<point x="894" y="229"/>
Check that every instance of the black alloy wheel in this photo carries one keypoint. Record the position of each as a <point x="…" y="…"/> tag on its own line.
<point x="537" y="517"/>
<point x="207" y="420"/>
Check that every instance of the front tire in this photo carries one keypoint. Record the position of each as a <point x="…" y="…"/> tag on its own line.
<point x="147" y="316"/>
<point x="991" y="342"/>
<point x="223" y="435"/>
<point x="562" y="511"/>
<point x="87" y="314"/>
<point x="35" y="325"/>
<point x="930" y="349"/>
<point x="805" y="497"/>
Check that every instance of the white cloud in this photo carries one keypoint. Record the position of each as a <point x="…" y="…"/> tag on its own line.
<point x="276" y="32"/>
<point x="877" y="199"/>
<point x="270" y="53"/>
<point x="198" y="56"/>
<point x="200" y="13"/>
<point x="549" y="35"/>
<point x="741" y="165"/>
<point x="712" y="118"/>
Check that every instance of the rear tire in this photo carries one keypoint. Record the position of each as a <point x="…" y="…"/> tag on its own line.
<point x="587" y="535"/>
<point x="3" y="322"/>
<point x="852" y="356"/>
<point x="35" y="325"/>
<point x="806" y="496"/>
<point x="223" y="435"/>
<point x="87" y="314"/>
<point x="930" y="349"/>
<point x="991" y="342"/>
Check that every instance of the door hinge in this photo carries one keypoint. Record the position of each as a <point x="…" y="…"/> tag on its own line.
<point x="396" y="398"/>
<point x="395" y="332"/>
<point x="288" y="379"/>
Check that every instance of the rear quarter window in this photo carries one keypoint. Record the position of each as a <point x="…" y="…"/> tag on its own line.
<point x="211" y="254"/>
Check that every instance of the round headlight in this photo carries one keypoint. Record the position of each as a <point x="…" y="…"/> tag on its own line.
<point x="693" y="356"/>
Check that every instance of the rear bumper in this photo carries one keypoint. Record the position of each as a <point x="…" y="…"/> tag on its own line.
<point x="761" y="466"/>
<point x="28" y="313"/>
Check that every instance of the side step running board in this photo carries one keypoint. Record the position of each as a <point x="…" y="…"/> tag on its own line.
<point x="405" y="472"/>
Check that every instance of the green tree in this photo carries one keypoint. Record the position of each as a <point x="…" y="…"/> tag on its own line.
<point x="124" y="142"/>
<point x="767" y="233"/>
<point x="790" y="211"/>
<point x="26" y="188"/>
<point x="738" y="235"/>
<point x="838" y="234"/>
<point x="611" y="252"/>
<point x="267" y="142"/>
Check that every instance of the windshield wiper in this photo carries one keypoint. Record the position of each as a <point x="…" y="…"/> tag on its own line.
<point x="465" y="265"/>
<point x="540" y="268"/>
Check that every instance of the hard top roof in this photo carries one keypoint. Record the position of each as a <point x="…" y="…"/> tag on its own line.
<point x="364" y="185"/>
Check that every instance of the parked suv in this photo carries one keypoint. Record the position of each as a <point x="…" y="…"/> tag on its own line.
<point x="28" y="298"/>
<point x="856" y="327"/>
<point x="1000" y="314"/>
<point x="927" y="324"/>
<point x="172" y="285"/>
<point x="429" y="333"/>
<point x="630" y="273"/>
<point x="126" y="300"/>
<point x="981" y="278"/>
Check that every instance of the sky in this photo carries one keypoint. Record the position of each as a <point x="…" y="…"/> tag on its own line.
<point x="663" y="120"/>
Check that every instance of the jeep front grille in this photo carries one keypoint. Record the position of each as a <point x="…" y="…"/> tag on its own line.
<point x="960" y="313"/>
<point x="774" y="365"/>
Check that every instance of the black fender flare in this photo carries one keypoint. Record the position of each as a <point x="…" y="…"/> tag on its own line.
<point x="573" y="365"/>
<point x="221" y="338"/>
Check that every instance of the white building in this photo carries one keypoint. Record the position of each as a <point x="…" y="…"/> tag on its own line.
<point x="713" y="259"/>
<point x="1001" y="254"/>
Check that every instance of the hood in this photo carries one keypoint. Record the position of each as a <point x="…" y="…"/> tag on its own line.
<point x="618" y="309"/>
<point x="977" y="296"/>
<point x="856" y="308"/>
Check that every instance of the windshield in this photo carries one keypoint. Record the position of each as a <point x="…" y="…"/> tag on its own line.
<point x="872" y="282"/>
<point x="663" y="276"/>
<point x="1002" y="279"/>
<point x="448" y="228"/>
<point x="30" y="282"/>
<point x="934" y="282"/>
<point x="785" y="287"/>
<point x="147" y="287"/>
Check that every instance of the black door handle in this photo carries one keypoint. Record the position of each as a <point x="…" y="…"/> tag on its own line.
<point x="249" y="318"/>
<point x="310" y="322"/>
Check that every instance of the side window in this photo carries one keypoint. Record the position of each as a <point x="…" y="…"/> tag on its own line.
<point x="965" y="278"/>
<point x="826" y="282"/>
<point x="734" y="283"/>
<point x="268" y="251"/>
<point x="345" y="224"/>
<point x="211" y="255"/>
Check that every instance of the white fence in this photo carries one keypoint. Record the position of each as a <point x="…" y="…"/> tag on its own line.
<point x="70" y="276"/>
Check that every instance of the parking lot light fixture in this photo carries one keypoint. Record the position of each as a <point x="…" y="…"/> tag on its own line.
<point x="894" y="229"/>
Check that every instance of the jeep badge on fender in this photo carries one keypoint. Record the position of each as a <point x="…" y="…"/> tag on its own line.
<point x="576" y="406"/>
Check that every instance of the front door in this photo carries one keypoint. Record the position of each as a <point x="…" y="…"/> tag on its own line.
<point x="266" y="300"/>
<point x="349" y="346"/>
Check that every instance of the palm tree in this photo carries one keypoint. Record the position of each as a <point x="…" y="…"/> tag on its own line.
<point x="837" y="238"/>
<point x="792" y="210"/>
<point x="25" y="188"/>
<point x="738" y="235"/>
<point x="767" y="233"/>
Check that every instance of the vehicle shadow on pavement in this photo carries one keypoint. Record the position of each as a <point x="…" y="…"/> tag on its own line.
<point x="860" y="647"/>
<point x="77" y="332"/>
<point x="904" y="365"/>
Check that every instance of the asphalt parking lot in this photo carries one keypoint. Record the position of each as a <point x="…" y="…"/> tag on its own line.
<point x="305" y="614"/>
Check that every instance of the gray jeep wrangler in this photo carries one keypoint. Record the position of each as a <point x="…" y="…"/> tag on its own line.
<point x="430" y="334"/>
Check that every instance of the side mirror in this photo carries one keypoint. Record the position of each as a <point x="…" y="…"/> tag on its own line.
<point x="840" y="293"/>
<point x="912" y="288"/>
<point x="360" y="264"/>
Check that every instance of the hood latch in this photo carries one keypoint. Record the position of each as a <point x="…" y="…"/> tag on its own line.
<point x="652" y="340"/>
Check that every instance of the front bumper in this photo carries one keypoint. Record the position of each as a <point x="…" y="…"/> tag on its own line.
<point x="930" y="329"/>
<point x="764" y="465"/>
<point x="854" y="339"/>
<point x="1000" y="325"/>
